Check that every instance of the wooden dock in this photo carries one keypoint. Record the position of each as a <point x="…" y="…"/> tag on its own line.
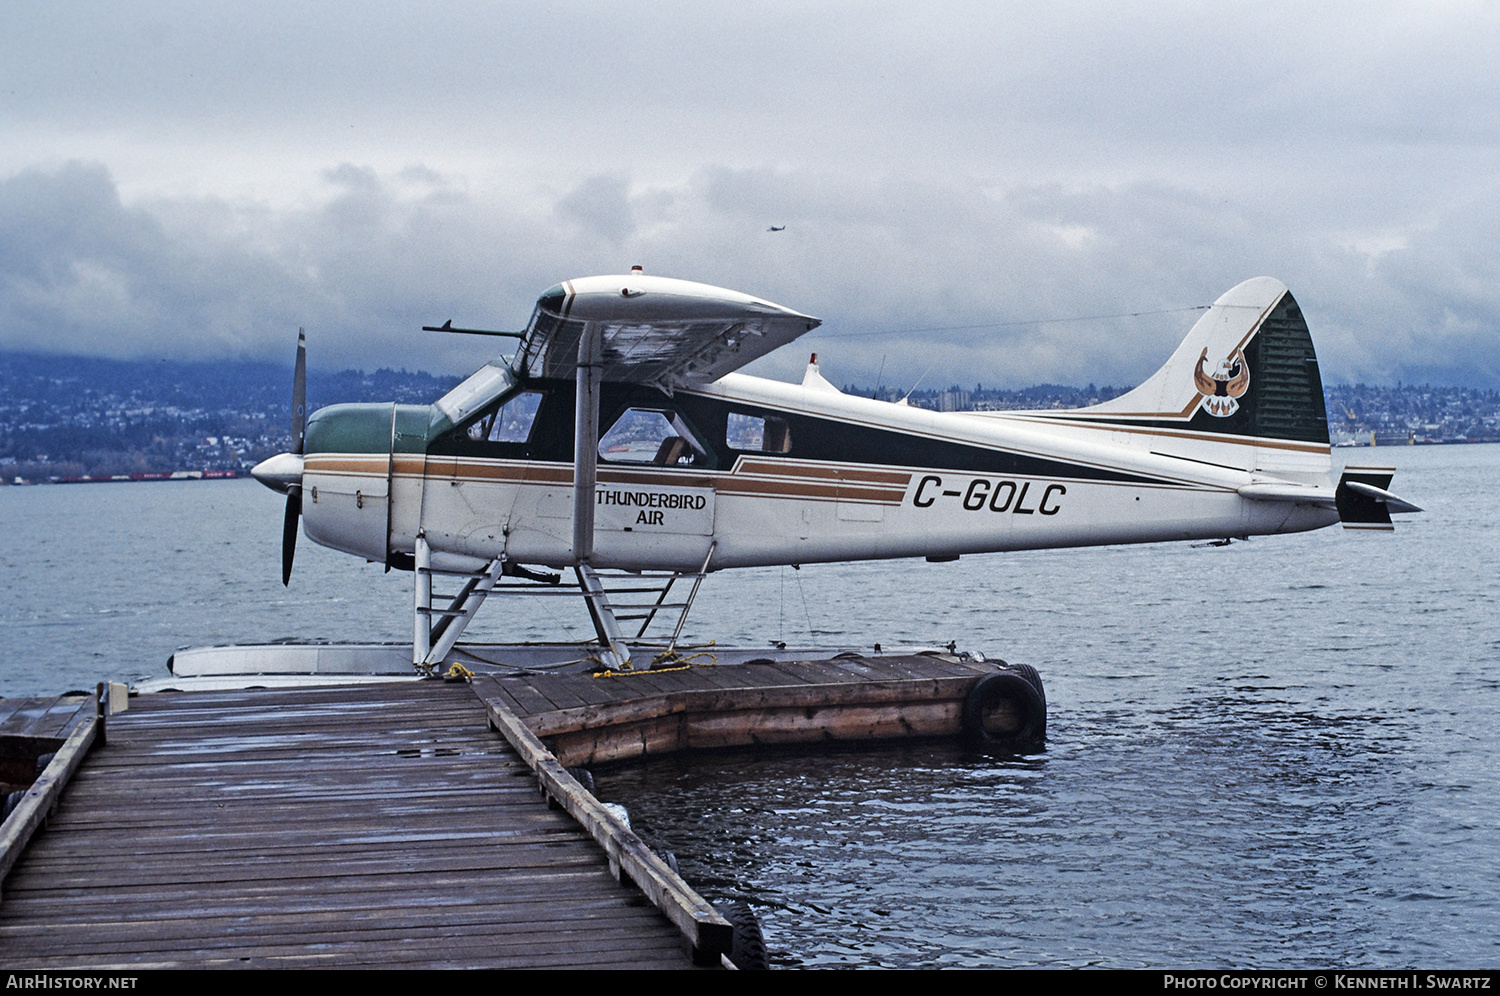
<point x="586" y="719"/>
<point x="372" y="826"/>
<point x="387" y="825"/>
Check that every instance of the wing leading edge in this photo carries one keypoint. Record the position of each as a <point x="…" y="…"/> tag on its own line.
<point x="655" y="330"/>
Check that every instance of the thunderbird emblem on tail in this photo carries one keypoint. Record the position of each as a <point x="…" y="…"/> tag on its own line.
<point x="1223" y="388"/>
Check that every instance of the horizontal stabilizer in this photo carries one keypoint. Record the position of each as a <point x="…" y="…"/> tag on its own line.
<point x="1361" y="497"/>
<point x="1391" y="502"/>
<point x="1284" y="491"/>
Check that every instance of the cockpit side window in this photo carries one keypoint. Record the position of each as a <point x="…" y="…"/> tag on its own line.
<point x="511" y="422"/>
<point x="506" y="428"/>
<point x="652" y="436"/>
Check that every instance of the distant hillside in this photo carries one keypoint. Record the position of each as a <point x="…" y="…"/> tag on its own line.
<point x="66" y="416"/>
<point x="1406" y="413"/>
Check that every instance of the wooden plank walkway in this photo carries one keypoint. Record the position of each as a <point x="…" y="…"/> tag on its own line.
<point x="586" y="719"/>
<point x="31" y="727"/>
<point x="364" y="826"/>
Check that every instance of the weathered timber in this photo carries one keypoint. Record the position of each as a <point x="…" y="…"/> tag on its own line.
<point x="631" y="714"/>
<point x="74" y="716"/>
<point x="710" y="934"/>
<point x="356" y="826"/>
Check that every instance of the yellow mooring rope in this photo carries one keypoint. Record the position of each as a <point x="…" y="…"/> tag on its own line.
<point x="678" y="661"/>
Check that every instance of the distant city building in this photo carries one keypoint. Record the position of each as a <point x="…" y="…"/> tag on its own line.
<point x="954" y="399"/>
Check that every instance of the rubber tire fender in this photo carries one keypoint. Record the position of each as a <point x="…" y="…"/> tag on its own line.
<point x="1026" y="671"/>
<point x="749" y="951"/>
<point x="585" y="777"/>
<point x="1030" y="674"/>
<point x="1009" y="685"/>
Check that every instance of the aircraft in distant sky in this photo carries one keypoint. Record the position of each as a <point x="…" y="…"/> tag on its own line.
<point x="777" y="228"/>
<point x="618" y="438"/>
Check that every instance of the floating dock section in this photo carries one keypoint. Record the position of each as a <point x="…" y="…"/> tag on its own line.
<point x="591" y="720"/>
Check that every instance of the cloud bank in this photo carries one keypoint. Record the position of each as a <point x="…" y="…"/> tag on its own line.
<point x="214" y="179"/>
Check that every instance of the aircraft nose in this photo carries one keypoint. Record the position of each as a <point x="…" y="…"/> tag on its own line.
<point x="281" y="472"/>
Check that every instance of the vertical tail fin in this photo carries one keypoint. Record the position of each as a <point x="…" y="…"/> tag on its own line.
<point x="1247" y="368"/>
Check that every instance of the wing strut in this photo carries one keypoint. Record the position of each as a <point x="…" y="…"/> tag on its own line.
<point x="613" y="653"/>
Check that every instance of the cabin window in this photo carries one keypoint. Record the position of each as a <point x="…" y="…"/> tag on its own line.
<point x="510" y="423"/>
<point x="651" y="436"/>
<point x="761" y="434"/>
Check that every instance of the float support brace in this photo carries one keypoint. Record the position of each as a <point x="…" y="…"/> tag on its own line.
<point x="422" y="596"/>
<point x="460" y="613"/>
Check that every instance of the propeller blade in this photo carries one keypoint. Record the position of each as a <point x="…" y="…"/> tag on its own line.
<point x="299" y="395"/>
<point x="289" y="534"/>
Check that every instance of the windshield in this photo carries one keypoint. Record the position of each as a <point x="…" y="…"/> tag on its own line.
<point x="479" y="389"/>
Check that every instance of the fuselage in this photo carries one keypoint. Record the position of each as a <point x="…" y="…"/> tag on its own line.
<point x="768" y="473"/>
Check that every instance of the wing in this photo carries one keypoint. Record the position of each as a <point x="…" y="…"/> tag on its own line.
<point x="655" y="330"/>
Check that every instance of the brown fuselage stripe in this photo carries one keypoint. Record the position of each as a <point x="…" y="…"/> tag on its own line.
<point x="472" y="469"/>
<point x="821" y="472"/>
<point x="787" y="489"/>
<point x="440" y="467"/>
<point x="408" y="464"/>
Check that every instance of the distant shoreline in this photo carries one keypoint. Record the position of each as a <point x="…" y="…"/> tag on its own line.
<point x="175" y="475"/>
<point x="227" y="475"/>
<point x="1419" y="442"/>
<point x="84" y="421"/>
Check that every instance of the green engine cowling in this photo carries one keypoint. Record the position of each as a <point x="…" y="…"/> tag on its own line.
<point x="351" y="455"/>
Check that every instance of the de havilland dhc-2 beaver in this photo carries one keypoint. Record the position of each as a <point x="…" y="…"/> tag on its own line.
<point x="618" y="443"/>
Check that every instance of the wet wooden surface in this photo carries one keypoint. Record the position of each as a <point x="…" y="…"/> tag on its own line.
<point x="53" y="716"/>
<point x="30" y="727"/>
<point x="42" y="743"/>
<point x="367" y="826"/>
<point x="590" y="719"/>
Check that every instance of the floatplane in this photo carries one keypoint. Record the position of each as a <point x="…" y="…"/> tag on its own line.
<point x="618" y="444"/>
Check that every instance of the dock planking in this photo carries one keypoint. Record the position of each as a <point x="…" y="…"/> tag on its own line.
<point x="32" y="727"/>
<point x="44" y="718"/>
<point x="588" y="719"/>
<point x="355" y="826"/>
<point x="388" y="825"/>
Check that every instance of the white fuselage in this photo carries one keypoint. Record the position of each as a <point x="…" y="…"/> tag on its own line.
<point x="1103" y="484"/>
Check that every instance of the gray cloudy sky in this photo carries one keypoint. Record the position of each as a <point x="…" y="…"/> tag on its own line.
<point x="196" y="179"/>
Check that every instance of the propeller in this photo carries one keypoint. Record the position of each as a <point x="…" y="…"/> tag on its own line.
<point x="283" y="472"/>
<point x="299" y="395"/>
<point x="299" y="439"/>
<point x="289" y="534"/>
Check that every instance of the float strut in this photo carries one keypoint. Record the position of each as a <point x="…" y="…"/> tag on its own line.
<point x="421" y="643"/>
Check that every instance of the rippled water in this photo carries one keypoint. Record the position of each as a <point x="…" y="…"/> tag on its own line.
<point x="1278" y="753"/>
<point x="1275" y="754"/>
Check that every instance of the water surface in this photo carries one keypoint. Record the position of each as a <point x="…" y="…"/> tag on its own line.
<point x="1277" y="753"/>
